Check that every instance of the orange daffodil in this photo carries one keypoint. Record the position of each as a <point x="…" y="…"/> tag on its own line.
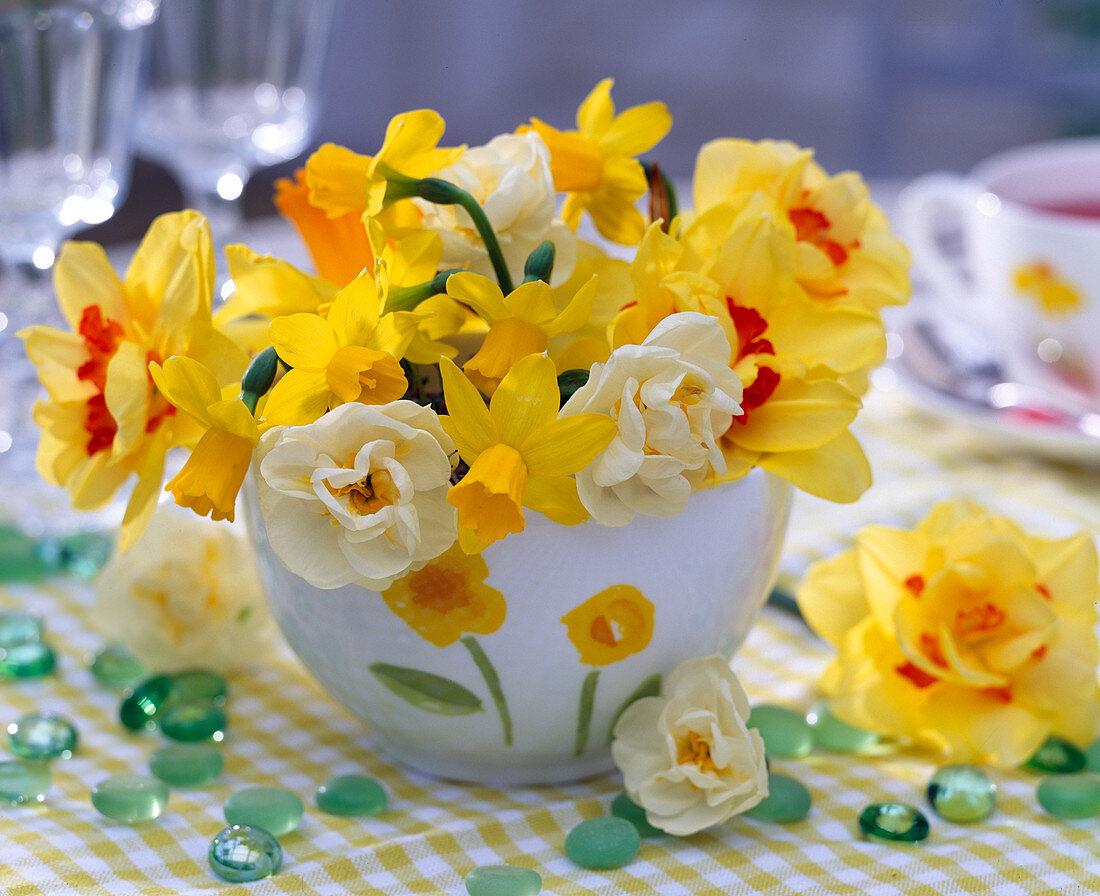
<point x="104" y="419"/>
<point x="965" y="635"/>
<point x="595" y="165"/>
<point x="520" y="452"/>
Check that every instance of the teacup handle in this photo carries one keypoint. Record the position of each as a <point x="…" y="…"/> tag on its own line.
<point x="931" y="212"/>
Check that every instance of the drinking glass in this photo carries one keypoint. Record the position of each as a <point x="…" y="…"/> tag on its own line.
<point x="234" y="86"/>
<point x="70" y="74"/>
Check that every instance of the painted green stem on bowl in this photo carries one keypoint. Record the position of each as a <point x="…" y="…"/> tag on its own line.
<point x="584" y="710"/>
<point x="492" y="681"/>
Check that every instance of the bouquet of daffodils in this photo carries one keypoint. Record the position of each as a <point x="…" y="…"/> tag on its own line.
<point x="462" y="355"/>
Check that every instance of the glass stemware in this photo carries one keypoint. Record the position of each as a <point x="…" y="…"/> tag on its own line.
<point x="70" y="74"/>
<point x="235" y="86"/>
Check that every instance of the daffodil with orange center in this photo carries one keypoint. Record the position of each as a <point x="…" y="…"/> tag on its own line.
<point x="596" y="165"/>
<point x="447" y="598"/>
<point x="846" y="253"/>
<point x="104" y="420"/>
<point x="212" y="477"/>
<point x="352" y="355"/>
<point x="611" y="625"/>
<point x="521" y="454"/>
<point x="966" y="635"/>
<point x="520" y="324"/>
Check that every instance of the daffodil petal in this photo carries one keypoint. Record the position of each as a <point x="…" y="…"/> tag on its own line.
<point x="526" y="399"/>
<point x="567" y="444"/>
<point x="480" y="293"/>
<point x="303" y="340"/>
<point x="468" y="422"/>
<point x="83" y="276"/>
<point x="556" y="498"/>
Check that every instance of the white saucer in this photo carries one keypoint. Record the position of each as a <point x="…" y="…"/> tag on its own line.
<point x="1009" y="429"/>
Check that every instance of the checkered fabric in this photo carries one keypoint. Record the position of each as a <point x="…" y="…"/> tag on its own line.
<point x="286" y="732"/>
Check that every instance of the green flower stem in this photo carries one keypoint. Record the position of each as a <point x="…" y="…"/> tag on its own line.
<point x="492" y="681"/>
<point x="444" y="193"/>
<point x="406" y="298"/>
<point x="584" y="710"/>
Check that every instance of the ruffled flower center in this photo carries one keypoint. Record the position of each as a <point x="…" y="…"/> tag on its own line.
<point x="695" y="750"/>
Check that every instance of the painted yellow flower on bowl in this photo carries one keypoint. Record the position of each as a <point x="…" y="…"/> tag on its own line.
<point x="447" y="598"/>
<point x="966" y="635"/>
<point x="611" y="625"/>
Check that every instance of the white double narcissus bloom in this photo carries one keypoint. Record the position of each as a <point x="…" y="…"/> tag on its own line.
<point x="510" y="179"/>
<point x="672" y="398"/>
<point x="687" y="757"/>
<point x="358" y="496"/>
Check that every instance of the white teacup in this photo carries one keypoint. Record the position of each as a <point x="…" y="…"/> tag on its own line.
<point x="1029" y="268"/>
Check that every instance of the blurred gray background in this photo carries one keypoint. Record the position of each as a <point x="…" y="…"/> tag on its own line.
<point x="893" y="88"/>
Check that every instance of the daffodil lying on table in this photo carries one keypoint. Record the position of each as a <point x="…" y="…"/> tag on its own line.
<point x="463" y="356"/>
<point x="966" y="635"/>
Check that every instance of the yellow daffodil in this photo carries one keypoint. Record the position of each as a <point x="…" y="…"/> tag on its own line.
<point x="596" y="165"/>
<point x="521" y="454"/>
<point x="104" y="419"/>
<point x="447" y="598"/>
<point x="212" y="477"/>
<point x="520" y="324"/>
<point x="339" y="245"/>
<point x="611" y="625"/>
<point x="352" y="355"/>
<point x="966" y="635"/>
<point x="846" y="253"/>
<point x="1052" y="293"/>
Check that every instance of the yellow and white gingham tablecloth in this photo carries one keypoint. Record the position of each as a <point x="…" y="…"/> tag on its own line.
<point x="285" y="732"/>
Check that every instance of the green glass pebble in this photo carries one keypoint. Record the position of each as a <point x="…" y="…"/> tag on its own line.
<point x="271" y="808"/>
<point x="1092" y="756"/>
<point x="962" y="793"/>
<point x="81" y="554"/>
<point x="200" y="684"/>
<point x="115" y="667"/>
<point x="20" y="558"/>
<point x="17" y="627"/>
<point x="351" y="795"/>
<point x="603" y="843"/>
<point x="24" y="781"/>
<point x="503" y="880"/>
<point x="42" y="736"/>
<point x="785" y="732"/>
<point x="141" y="709"/>
<point x="31" y="659"/>
<point x="192" y="720"/>
<point x="1057" y="756"/>
<point x="896" y="822"/>
<point x="130" y="798"/>
<point x="1070" y="796"/>
<point x="187" y="765"/>
<point x="787" y="800"/>
<point x="624" y="807"/>
<point x="830" y="733"/>
<point x="241" y="853"/>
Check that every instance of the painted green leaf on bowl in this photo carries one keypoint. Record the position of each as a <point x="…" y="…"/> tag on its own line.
<point x="427" y="691"/>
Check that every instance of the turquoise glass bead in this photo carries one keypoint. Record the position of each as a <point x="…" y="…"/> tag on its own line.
<point x="17" y="627"/>
<point x="962" y="793"/>
<point x="24" y="781"/>
<point x="116" y="668"/>
<point x="603" y="843"/>
<point x="186" y="765"/>
<point x="787" y="800"/>
<point x="130" y="798"/>
<point x="271" y="808"/>
<point x="20" y="558"/>
<point x="241" y="853"/>
<point x="31" y="659"/>
<point x="1070" y="796"/>
<point x="192" y="720"/>
<point x="200" y="684"/>
<point x="81" y="555"/>
<point x="1057" y="756"/>
<point x="1092" y="756"/>
<point x="351" y="795"/>
<point x="42" y="736"/>
<point x="624" y="807"/>
<point x="503" y="880"/>
<point x="896" y="822"/>
<point x="830" y="733"/>
<point x="785" y="732"/>
<point x="141" y="709"/>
